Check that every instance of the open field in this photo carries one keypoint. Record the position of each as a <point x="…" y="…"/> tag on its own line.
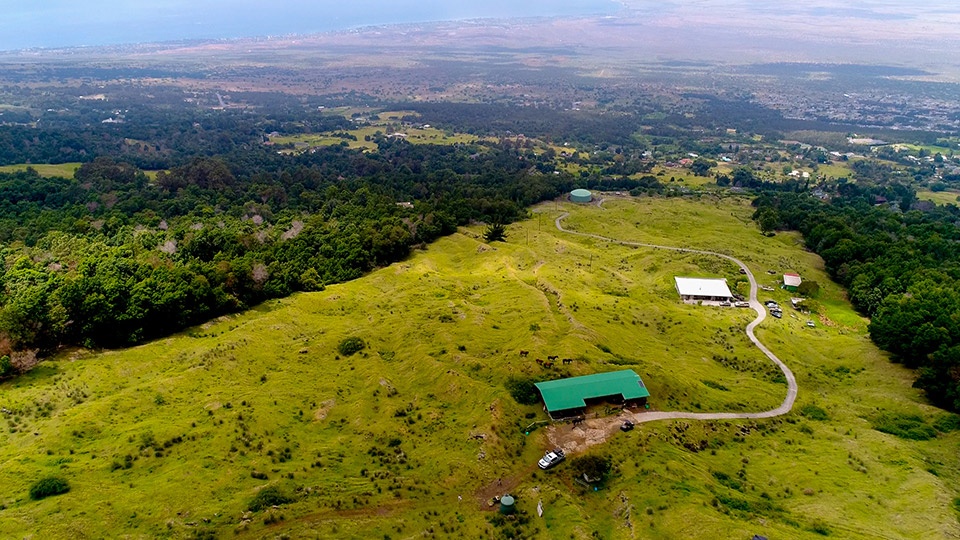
<point x="939" y="197"/>
<point x="413" y="135"/>
<point x="64" y="170"/>
<point x="162" y="440"/>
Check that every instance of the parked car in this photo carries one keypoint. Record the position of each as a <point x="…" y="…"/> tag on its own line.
<point x="626" y="426"/>
<point x="776" y="313"/>
<point x="810" y="324"/>
<point x="551" y="458"/>
<point x="725" y="304"/>
<point x="742" y="304"/>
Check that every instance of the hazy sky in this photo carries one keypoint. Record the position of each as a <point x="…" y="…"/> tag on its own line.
<point x="56" y="23"/>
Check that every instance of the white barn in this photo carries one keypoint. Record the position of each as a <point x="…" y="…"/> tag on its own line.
<point x="703" y="289"/>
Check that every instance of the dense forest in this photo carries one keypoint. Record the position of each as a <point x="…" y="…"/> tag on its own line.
<point x="901" y="267"/>
<point x="109" y="257"/>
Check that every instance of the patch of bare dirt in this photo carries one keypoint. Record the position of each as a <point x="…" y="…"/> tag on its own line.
<point x="324" y="409"/>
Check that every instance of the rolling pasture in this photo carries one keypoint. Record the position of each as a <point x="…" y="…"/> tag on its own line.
<point x="407" y="437"/>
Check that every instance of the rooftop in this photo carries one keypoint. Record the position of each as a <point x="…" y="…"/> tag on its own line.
<point x="573" y="392"/>
<point x="703" y="287"/>
<point x="791" y="280"/>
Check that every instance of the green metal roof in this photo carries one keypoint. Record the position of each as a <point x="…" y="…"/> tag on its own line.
<point x="570" y="393"/>
<point x="580" y="193"/>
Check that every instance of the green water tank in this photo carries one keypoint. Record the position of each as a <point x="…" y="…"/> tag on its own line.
<point x="581" y="196"/>
<point x="507" y="505"/>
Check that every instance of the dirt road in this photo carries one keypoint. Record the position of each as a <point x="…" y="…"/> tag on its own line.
<point x="597" y="430"/>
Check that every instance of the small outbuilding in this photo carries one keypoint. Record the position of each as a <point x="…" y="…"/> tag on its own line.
<point x="693" y="290"/>
<point x="791" y="282"/>
<point x="566" y="398"/>
<point x="581" y="196"/>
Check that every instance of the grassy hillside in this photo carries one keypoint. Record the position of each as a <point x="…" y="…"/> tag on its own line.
<point x="408" y="436"/>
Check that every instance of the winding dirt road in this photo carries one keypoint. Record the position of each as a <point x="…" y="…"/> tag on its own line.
<point x="604" y="427"/>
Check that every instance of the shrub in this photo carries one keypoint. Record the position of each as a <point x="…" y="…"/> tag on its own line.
<point x="715" y="385"/>
<point x="947" y="423"/>
<point x="6" y="366"/>
<point x="46" y="487"/>
<point x="593" y="467"/>
<point x="495" y="232"/>
<point x="267" y="497"/>
<point x="814" y="413"/>
<point x="351" y="345"/>
<point x="523" y="390"/>
<point x="905" y="426"/>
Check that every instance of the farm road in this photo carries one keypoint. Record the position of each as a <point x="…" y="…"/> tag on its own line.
<point x="598" y="430"/>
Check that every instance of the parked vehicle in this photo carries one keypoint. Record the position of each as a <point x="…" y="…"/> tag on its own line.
<point x="742" y="304"/>
<point x="810" y="324"/>
<point x="551" y="458"/>
<point x="776" y="313"/>
<point x="626" y="426"/>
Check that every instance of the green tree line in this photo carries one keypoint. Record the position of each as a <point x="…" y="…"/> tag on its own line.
<point x="111" y="257"/>
<point x="901" y="268"/>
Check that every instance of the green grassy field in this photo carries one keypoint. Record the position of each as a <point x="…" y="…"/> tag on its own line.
<point x="939" y="197"/>
<point x="413" y="135"/>
<point x="163" y="440"/>
<point x="64" y="170"/>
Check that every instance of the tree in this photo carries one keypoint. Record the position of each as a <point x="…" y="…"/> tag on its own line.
<point x="767" y="219"/>
<point x="495" y="232"/>
<point x="701" y="167"/>
<point x="6" y="366"/>
<point x="809" y="289"/>
<point x="591" y="467"/>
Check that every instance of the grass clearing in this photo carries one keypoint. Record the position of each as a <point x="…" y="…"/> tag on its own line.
<point x="940" y="197"/>
<point x="63" y="170"/>
<point x="397" y="438"/>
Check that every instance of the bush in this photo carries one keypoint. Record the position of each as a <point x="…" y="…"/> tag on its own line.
<point x="6" y="366"/>
<point x="523" y="390"/>
<point x="351" y="345"/>
<point x="908" y="426"/>
<point x="46" y="487"/>
<point x="947" y="423"/>
<point x="267" y="497"/>
<point x="592" y="467"/>
<point x="814" y="413"/>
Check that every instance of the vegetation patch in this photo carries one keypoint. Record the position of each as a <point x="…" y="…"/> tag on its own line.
<point x="523" y="390"/>
<point x="715" y="385"/>
<point x="814" y="412"/>
<point x="911" y="427"/>
<point x="351" y="345"/>
<point x="47" y="487"/>
<point x="268" y="497"/>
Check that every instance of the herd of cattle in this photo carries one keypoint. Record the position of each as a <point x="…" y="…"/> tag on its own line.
<point x="548" y="363"/>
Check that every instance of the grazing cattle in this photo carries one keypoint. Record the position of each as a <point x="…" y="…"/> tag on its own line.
<point x="553" y="357"/>
<point x="523" y="354"/>
<point x="548" y="364"/>
<point x="539" y="361"/>
<point x="568" y="360"/>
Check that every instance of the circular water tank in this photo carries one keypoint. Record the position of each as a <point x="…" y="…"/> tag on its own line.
<point x="507" y="505"/>
<point x="581" y="196"/>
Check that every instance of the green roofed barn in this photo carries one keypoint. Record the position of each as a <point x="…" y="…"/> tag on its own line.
<point x="581" y="196"/>
<point x="564" y="398"/>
